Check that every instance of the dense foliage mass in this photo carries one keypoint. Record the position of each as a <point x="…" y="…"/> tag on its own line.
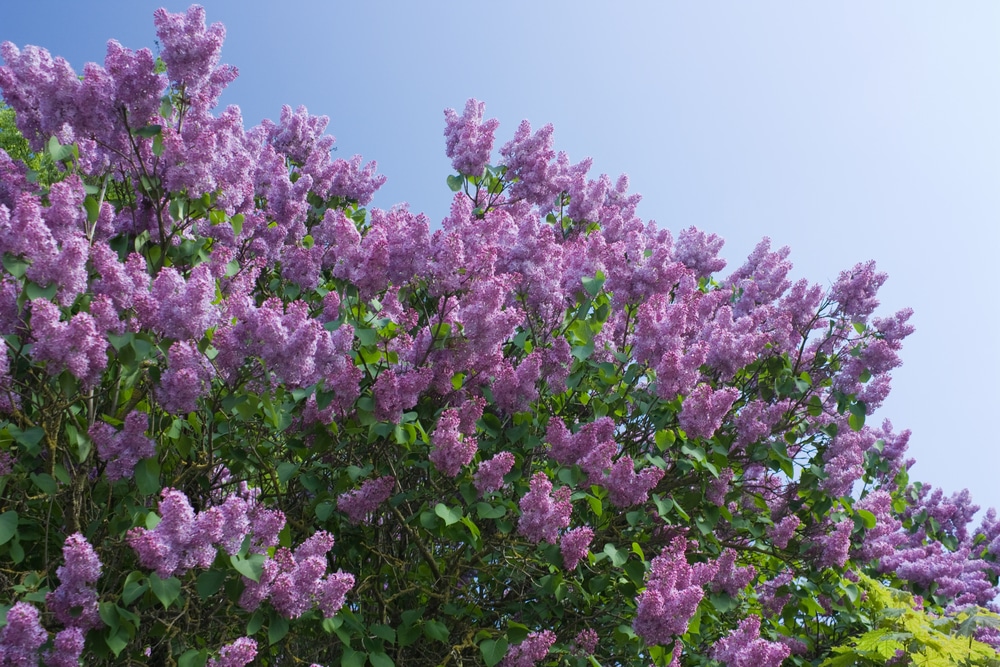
<point x="246" y="420"/>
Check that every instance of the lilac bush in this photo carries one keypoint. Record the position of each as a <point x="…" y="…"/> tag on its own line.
<point x="245" y="419"/>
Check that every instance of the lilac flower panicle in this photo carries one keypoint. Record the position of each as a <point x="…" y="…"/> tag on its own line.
<point x="452" y="450"/>
<point x="672" y="594"/>
<point x="361" y="503"/>
<point x="74" y="601"/>
<point x="240" y="653"/>
<point x="704" y="409"/>
<point x="585" y="642"/>
<point x="469" y="139"/>
<point x="489" y="476"/>
<point x="531" y="651"/>
<point x="782" y="532"/>
<point x="122" y="450"/>
<point x="22" y="637"/>
<point x="67" y="648"/>
<point x="575" y="545"/>
<point x="543" y="513"/>
<point x="744" y="647"/>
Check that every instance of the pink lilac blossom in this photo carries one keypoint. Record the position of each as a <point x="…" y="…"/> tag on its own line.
<point x="74" y="601"/>
<point x="469" y="139"/>
<point x="66" y="648"/>
<point x="360" y="504"/>
<point x="835" y="545"/>
<point x="719" y="487"/>
<point x="184" y="539"/>
<point x="782" y="532"/>
<point x="191" y="53"/>
<point x="732" y="578"/>
<point x="704" y="409"/>
<point x="626" y="487"/>
<point x="176" y="308"/>
<point x="673" y="591"/>
<point x="296" y="581"/>
<point x="771" y="602"/>
<point x="22" y="637"/>
<point x="239" y="653"/>
<point x="529" y="159"/>
<point x="76" y="346"/>
<point x="585" y="643"/>
<point x="451" y="450"/>
<point x="699" y="251"/>
<point x="855" y="290"/>
<point x="122" y="450"/>
<point x="744" y="647"/>
<point x="575" y="545"/>
<point x="531" y="651"/>
<point x="544" y="513"/>
<point x="514" y="389"/>
<point x="883" y="539"/>
<point x="489" y="476"/>
<point x="186" y="379"/>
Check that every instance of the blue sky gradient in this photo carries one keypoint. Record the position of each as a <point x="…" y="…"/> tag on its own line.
<point x="848" y="131"/>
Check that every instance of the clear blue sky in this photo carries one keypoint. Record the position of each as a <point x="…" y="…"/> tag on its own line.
<point x="848" y="131"/>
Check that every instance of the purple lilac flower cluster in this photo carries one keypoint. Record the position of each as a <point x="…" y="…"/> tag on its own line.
<point x="543" y="513"/>
<point x="239" y="653"/>
<point x="295" y="581"/>
<point x="744" y="647"/>
<point x="453" y="447"/>
<point x="22" y="637"/>
<point x="74" y="601"/>
<point x="360" y="504"/>
<point x="122" y="450"/>
<point x="489" y="476"/>
<point x="469" y="138"/>
<point x="184" y="539"/>
<point x="531" y="651"/>
<point x="594" y="448"/>
<point x="673" y="590"/>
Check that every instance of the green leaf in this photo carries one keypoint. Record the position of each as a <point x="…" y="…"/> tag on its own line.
<point x="867" y="517"/>
<point x="449" y="514"/>
<point x="436" y="630"/>
<point x="255" y="623"/>
<point x="493" y="650"/>
<point x="855" y="422"/>
<point x="15" y="267"/>
<point x="117" y="641"/>
<point x="8" y="526"/>
<point x="250" y="567"/>
<point x="165" y="590"/>
<point x="352" y="658"/>
<point x="45" y="482"/>
<point x="147" y="476"/>
<point x="209" y="582"/>
<point x="380" y="659"/>
<point x="488" y="511"/>
<point x="148" y="131"/>
<point x="237" y="222"/>
<point x="286" y="471"/>
<point x="93" y="208"/>
<point x="59" y="152"/>
<point x="277" y="629"/>
<point x="193" y="658"/>
<point x="455" y="183"/>
<point x="385" y="632"/>
<point x="135" y="586"/>
<point x="594" y="285"/>
<point x="35" y="291"/>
